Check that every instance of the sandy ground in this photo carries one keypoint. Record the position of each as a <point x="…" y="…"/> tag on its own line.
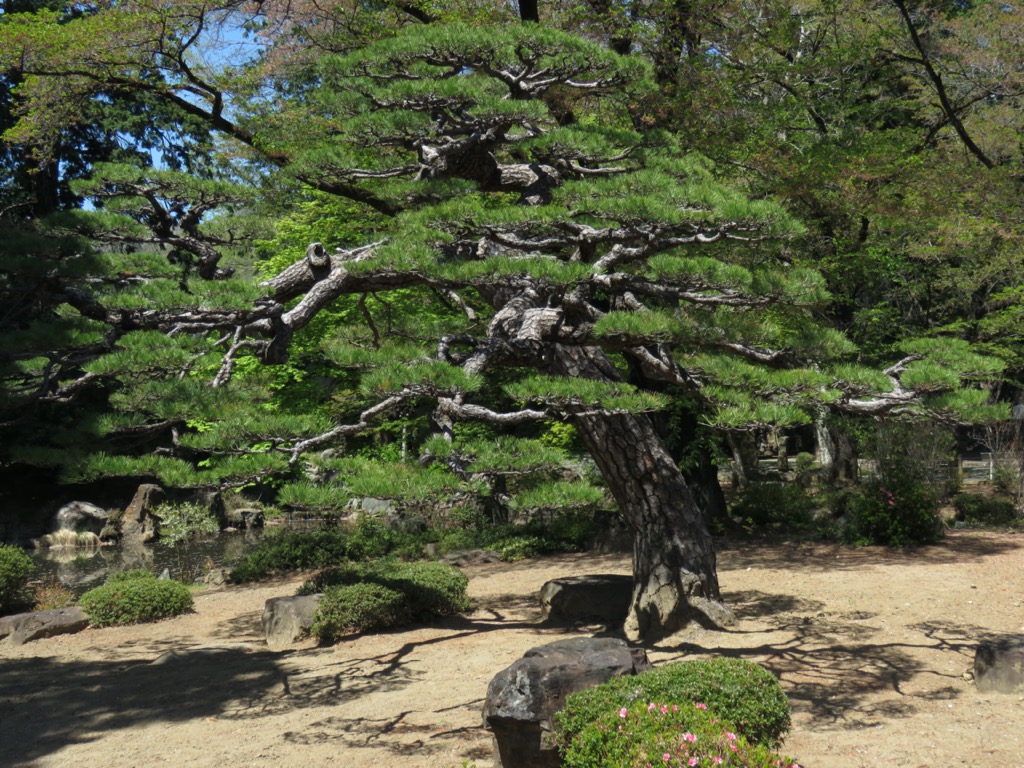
<point x="871" y="646"/>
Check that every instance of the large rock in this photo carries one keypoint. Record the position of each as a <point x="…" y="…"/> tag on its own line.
<point x="522" y="699"/>
<point x="25" y="627"/>
<point x="999" y="664"/>
<point x="138" y="524"/>
<point x="598" y="598"/>
<point x="81" y="516"/>
<point x="243" y="518"/>
<point x="287" y="620"/>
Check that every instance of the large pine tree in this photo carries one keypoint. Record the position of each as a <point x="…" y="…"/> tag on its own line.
<point x="513" y="177"/>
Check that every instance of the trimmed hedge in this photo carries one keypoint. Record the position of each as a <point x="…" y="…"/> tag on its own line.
<point x="359" y="597"/>
<point x="15" y="569"/>
<point x="744" y="695"/>
<point x="363" y="607"/>
<point x="134" y="597"/>
<point x="975" y="509"/>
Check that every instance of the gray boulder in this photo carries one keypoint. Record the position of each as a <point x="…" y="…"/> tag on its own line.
<point x="600" y="598"/>
<point x="217" y="577"/>
<point x="243" y="518"/>
<point x="138" y="523"/>
<point x="25" y="627"/>
<point x="287" y="620"/>
<point x="81" y="517"/>
<point x="999" y="664"/>
<point x="523" y="698"/>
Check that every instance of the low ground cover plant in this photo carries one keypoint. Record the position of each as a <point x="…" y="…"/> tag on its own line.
<point x="742" y="694"/>
<point x="668" y="735"/>
<point x="16" y="568"/>
<point x="134" y="597"/>
<point x="785" y="506"/>
<point x="369" y="538"/>
<point x="291" y="551"/>
<point x="977" y="510"/>
<point x="384" y="594"/>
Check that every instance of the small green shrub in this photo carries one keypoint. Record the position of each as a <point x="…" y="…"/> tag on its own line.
<point x="781" y="505"/>
<point x="1006" y="479"/>
<point x="741" y="693"/>
<point x="975" y="509"/>
<point x="133" y="597"/>
<point x="896" y="512"/>
<point x="804" y="462"/>
<point x="515" y="548"/>
<point x="361" y="607"/>
<point x="15" y="569"/>
<point x="671" y="735"/>
<point x="432" y="589"/>
<point x="130" y="575"/>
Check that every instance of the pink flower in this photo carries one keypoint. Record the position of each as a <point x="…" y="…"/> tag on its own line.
<point x="664" y="709"/>
<point x="675" y="708"/>
<point x="730" y="736"/>
<point x="689" y="737"/>
<point x="651" y="707"/>
<point x="718" y="760"/>
<point x="666" y="757"/>
<point x="693" y="761"/>
<point x="698" y="705"/>
<point x="623" y="712"/>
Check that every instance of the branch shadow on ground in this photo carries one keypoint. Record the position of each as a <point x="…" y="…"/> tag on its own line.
<point x="831" y="663"/>
<point x="47" y="704"/>
<point x="956" y="547"/>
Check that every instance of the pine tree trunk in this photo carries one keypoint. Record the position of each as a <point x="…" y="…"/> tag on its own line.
<point x="675" y="580"/>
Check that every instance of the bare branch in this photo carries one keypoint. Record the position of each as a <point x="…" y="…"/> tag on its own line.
<point x="448" y="407"/>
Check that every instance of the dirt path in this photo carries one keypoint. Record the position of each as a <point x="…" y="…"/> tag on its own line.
<point x="871" y="646"/>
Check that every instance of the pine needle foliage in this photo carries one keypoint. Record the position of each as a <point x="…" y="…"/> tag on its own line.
<point x="467" y="208"/>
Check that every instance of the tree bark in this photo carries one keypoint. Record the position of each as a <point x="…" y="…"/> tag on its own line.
<point x="675" y="578"/>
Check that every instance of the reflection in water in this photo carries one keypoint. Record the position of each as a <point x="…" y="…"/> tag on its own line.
<point x="82" y="568"/>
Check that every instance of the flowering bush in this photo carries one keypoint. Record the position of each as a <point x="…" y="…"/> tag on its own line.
<point x="666" y="736"/>
<point x="896" y="511"/>
<point x="739" y="692"/>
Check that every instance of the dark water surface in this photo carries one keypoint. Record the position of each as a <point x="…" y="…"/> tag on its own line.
<point x="83" y="568"/>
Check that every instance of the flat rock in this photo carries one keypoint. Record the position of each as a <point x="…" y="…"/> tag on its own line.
<point x="598" y="598"/>
<point x="23" y="628"/>
<point x="999" y="664"/>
